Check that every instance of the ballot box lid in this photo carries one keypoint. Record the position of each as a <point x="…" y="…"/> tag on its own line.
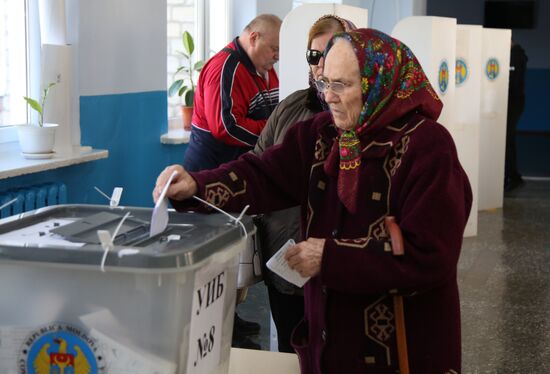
<point x="67" y="235"/>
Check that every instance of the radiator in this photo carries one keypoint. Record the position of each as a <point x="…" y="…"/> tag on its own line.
<point x="32" y="197"/>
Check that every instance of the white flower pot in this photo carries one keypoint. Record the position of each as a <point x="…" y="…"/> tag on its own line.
<point x="34" y="139"/>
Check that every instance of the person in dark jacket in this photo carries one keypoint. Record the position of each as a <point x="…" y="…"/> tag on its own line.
<point x="276" y="228"/>
<point x="377" y="153"/>
<point x="516" y="105"/>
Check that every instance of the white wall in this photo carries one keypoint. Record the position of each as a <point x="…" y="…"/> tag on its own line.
<point x="243" y="12"/>
<point x="122" y="46"/>
<point x="279" y="7"/>
<point x="384" y="15"/>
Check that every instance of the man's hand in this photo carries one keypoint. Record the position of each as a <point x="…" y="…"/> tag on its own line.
<point x="305" y="257"/>
<point x="183" y="185"/>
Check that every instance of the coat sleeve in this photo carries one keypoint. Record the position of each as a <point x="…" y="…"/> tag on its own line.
<point x="274" y="181"/>
<point x="431" y="206"/>
<point x="227" y="101"/>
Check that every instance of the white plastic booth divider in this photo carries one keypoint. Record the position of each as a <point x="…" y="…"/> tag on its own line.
<point x="467" y="109"/>
<point x="495" y="66"/>
<point x="433" y="41"/>
<point x="293" y="68"/>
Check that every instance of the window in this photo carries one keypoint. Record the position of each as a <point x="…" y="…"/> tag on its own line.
<point x="207" y="21"/>
<point x="13" y="62"/>
<point x="19" y="60"/>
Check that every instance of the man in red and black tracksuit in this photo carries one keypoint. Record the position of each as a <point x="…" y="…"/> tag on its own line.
<point x="237" y="91"/>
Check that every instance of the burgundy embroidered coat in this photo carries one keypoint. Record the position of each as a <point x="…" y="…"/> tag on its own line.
<point x="409" y="170"/>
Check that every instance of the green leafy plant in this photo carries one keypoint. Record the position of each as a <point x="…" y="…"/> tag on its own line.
<point x="39" y="106"/>
<point x="185" y="86"/>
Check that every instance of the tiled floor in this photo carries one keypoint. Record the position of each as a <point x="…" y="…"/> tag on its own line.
<point x="504" y="277"/>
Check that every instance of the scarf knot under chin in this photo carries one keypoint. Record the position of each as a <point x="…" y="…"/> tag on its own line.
<point x="348" y="159"/>
<point x="349" y="150"/>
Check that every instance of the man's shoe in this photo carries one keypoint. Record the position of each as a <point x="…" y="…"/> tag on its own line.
<point x="245" y="328"/>
<point x="512" y="183"/>
<point x="240" y="341"/>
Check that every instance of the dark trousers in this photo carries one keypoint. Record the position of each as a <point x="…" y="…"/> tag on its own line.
<point x="205" y="152"/>
<point x="287" y="311"/>
<point x="515" y="109"/>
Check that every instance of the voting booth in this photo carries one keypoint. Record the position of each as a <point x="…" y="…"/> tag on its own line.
<point x="433" y="41"/>
<point x="162" y="304"/>
<point x="467" y="109"/>
<point x="495" y="60"/>
<point x="293" y="67"/>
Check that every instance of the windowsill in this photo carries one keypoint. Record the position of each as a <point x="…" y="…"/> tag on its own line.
<point x="13" y="164"/>
<point x="179" y="136"/>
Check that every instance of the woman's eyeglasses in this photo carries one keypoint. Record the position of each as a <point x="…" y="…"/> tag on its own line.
<point x="336" y="87"/>
<point x="313" y="56"/>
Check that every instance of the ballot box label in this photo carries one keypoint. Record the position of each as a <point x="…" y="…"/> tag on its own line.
<point x="59" y="345"/>
<point x="207" y="318"/>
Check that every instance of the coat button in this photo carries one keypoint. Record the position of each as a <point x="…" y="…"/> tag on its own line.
<point x="324" y="335"/>
<point x="324" y="290"/>
<point x="334" y="233"/>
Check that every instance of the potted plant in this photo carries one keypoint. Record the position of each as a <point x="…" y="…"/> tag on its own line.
<point x="37" y="140"/>
<point x="184" y="86"/>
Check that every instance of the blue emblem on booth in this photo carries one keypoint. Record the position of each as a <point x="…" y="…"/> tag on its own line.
<point x="443" y="76"/>
<point x="492" y="69"/>
<point x="461" y="71"/>
<point x="60" y="348"/>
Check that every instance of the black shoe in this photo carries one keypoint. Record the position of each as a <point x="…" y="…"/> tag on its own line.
<point x="240" y="341"/>
<point x="245" y="328"/>
<point x="512" y="183"/>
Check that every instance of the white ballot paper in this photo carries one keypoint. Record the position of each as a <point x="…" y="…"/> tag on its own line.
<point x="159" y="218"/>
<point x="279" y="266"/>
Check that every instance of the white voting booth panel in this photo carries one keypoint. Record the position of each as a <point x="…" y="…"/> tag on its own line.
<point x="433" y="41"/>
<point x="467" y="109"/>
<point x="495" y="64"/>
<point x="293" y="68"/>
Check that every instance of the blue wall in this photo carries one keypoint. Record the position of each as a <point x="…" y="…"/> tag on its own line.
<point x="535" y="117"/>
<point x="129" y="126"/>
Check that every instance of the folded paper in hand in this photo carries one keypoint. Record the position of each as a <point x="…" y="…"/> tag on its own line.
<point x="279" y="266"/>
<point x="159" y="218"/>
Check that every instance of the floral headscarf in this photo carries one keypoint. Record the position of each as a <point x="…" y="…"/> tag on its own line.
<point x="393" y="85"/>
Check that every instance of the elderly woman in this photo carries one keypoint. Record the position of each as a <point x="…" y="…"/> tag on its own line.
<point x="274" y="229"/>
<point x="377" y="153"/>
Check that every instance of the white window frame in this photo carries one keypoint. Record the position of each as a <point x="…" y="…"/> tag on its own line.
<point x="9" y="133"/>
<point x="203" y="48"/>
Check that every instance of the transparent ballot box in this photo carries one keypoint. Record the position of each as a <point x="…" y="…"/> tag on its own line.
<point x="137" y="304"/>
